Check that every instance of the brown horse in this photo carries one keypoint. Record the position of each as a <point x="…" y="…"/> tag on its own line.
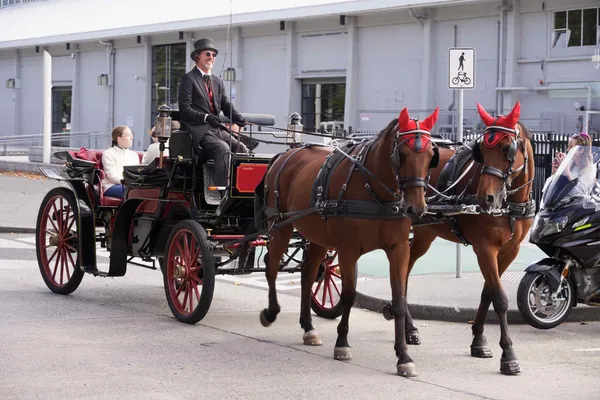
<point x="506" y="166"/>
<point x="366" y="204"/>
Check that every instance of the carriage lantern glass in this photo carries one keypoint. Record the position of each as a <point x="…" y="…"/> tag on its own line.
<point x="163" y="123"/>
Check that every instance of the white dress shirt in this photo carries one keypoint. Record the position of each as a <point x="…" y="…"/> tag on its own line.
<point x="113" y="161"/>
<point x="153" y="152"/>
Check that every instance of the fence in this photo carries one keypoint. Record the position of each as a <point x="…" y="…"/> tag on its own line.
<point x="20" y="144"/>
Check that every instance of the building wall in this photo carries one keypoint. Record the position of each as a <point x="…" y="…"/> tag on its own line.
<point x="399" y="61"/>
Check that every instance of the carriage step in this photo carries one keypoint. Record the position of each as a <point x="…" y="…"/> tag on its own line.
<point x="95" y="272"/>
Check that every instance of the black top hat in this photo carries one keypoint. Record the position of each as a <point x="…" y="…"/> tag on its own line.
<point x="203" y="44"/>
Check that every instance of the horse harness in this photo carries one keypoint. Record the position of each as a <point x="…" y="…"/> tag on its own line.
<point x="357" y="154"/>
<point x="515" y="210"/>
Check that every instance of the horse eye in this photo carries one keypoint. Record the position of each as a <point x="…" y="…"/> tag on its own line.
<point x="505" y="148"/>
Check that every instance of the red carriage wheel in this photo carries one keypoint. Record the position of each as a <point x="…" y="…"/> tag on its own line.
<point x="57" y="241"/>
<point x="189" y="277"/>
<point x="327" y="289"/>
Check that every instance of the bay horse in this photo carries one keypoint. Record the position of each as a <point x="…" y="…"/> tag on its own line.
<point x="505" y="160"/>
<point x="365" y="200"/>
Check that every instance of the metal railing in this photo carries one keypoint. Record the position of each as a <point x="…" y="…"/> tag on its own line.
<point x="20" y="144"/>
<point x="8" y="3"/>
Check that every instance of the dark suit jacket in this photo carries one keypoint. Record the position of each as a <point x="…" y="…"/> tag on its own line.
<point x="194" y="102"/>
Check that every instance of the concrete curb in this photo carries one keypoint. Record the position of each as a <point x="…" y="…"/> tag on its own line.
<point x="16" y="229"/>
<point x="580" y="313"/>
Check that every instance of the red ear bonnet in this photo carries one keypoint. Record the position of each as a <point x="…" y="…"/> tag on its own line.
<point x="493" y="137"/>
<point x="416" y="141"/>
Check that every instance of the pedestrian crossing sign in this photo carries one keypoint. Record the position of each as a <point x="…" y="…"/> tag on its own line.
<point x="461" y="68"/>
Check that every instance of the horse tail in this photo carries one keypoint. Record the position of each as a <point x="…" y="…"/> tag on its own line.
<point x="259" y="198"/>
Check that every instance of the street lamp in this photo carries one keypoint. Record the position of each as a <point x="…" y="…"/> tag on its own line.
<point x="229" y="74"/>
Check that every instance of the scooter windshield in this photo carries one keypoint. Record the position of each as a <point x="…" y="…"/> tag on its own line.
<point x="574" y="179"/>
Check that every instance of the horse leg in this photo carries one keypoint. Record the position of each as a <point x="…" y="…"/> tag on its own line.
<point x="488" y="263"/>
<point x="398" y="258"/>
<point x="479" y="346"/>
<point x="315" y="254"/>
<point x="279" y="240"/>
<point x="421" y="242"/>
<point x="347" y="262"/>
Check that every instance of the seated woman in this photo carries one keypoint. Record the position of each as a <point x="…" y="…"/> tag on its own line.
<point x="154" y="148"/>
<point x="115" y="158"/>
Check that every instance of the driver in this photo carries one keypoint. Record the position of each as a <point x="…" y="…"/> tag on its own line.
<point x="201" y="99"/>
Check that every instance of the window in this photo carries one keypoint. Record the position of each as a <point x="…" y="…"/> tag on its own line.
<point x="576" y="28"/>
<point x="323" y="106"/>
<point x="168" y="66"/>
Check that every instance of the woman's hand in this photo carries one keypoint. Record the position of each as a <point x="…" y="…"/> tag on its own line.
<point x="558" y="159"/>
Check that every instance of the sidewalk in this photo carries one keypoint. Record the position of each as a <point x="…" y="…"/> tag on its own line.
<point x="433" y="291"/>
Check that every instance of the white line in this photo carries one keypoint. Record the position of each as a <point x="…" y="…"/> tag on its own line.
<point x="587" y="350"/>
<point x="13" y="244"/>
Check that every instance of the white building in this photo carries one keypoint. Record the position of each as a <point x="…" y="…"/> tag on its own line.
<point x="360" y="61"/>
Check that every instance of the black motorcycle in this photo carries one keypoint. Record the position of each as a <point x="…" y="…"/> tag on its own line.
<point x="567" y="229"/>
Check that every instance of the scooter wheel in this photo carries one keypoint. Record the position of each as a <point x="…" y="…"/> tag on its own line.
<point x="534" y="300"/>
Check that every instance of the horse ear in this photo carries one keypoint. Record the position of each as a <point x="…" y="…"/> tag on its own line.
<point x="485" y="117"/>
<point x="513" y="117"/>
<point x="430" y="121"/>
<point x="403" y="119"/>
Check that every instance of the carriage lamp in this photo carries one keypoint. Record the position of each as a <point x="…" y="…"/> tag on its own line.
<point x="163" y="129"/>
<point x="294" y="129"/>
<point x="229" y="75"/>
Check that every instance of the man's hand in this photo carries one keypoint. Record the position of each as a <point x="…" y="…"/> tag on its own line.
<point x="213" y="120"/>
<point x="240" y="121"/>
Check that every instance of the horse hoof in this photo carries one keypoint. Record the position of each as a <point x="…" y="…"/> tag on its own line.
<point x="263" y="319"/>
<point x="413" y="338"/>
<point x="511" y="367"/>
<point x="407" y="370"/>
<point x="342" y="354"/>
<point x="481" y="352"/>
<point x="311" y="338"/>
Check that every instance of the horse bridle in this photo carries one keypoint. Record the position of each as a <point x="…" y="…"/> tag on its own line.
<point x="515" y="144"/>
<point x="408" y="182"/>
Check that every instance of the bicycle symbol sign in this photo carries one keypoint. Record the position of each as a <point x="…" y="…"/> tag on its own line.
<point x="461" y="68"/>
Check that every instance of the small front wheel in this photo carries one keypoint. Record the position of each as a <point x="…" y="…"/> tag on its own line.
<point x="327" y="289"/>
<point x="536" y="304"/>
<point x="57" y="241"/>
<point x="189" y="277"/>
<point x="455" y="81"/>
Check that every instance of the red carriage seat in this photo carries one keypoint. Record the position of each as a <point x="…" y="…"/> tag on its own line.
<point x="96" y="157"/>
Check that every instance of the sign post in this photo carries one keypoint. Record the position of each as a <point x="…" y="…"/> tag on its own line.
<point x="461" y="75"/>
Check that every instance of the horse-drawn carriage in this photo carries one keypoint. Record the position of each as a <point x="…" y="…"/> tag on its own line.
<point x="171" y="214"/>
<point x="348" y="200"/>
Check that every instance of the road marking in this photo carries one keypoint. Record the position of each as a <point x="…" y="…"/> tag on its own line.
<point x="13" y="244"/>
<point x="587" y="350"/>
<point x="18" y="264"/>
<point x="282" y="284"/>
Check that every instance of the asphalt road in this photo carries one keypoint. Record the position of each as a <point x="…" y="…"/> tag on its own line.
<point x="116" y="339"/>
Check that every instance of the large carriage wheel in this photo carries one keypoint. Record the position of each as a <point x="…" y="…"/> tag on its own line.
<point x="190" y="272"/>
<point x="57" y="241"/>
<point x="327" y="289"/>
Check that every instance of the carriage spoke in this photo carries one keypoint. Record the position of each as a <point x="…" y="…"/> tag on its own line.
<point x="335" y="286"/>
<point x="71" y="224"/>
<point x="63" y="266"/>
<point x="195" y="286"/>
<point x="324" y="298"/>
<point x="53" y="254"/>
<point x="51" y="220"/>
<point x="190" y="289"/>
<point x="67" y="245"/>
<point x="56" y="264"/>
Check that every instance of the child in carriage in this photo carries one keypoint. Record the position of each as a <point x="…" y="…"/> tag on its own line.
<point x="115" y="158"/>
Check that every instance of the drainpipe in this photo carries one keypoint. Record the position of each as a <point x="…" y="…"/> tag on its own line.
<point x="451" y="105"/>
<point x="500" y="105"/>
<point x="498" y="60"/>
<point x="110" y="66"/>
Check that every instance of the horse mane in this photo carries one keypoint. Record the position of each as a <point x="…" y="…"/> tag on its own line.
<point x="526" y="131"/>
<point x="387" y="129"/>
